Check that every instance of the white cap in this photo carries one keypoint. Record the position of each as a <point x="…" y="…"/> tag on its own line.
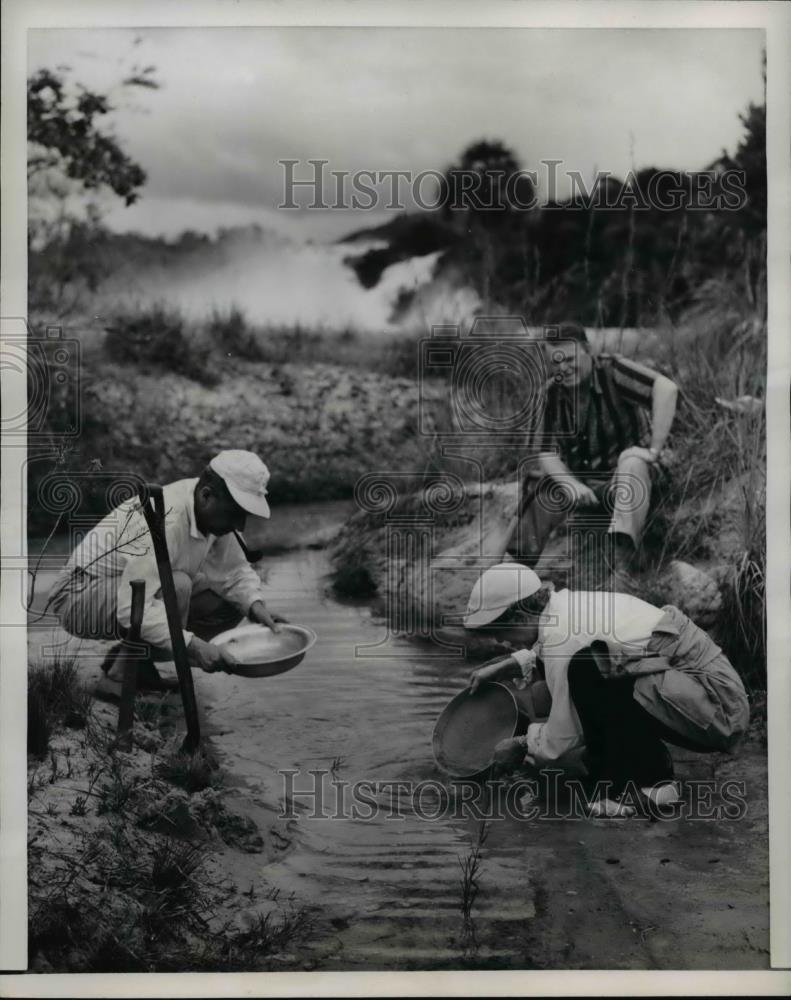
<point x="246" y="477"/>
<point x="497" y="589"/>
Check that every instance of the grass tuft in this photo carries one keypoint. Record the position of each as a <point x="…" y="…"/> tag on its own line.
<point x="56" y="698"/>
<point x="191" y="771"/>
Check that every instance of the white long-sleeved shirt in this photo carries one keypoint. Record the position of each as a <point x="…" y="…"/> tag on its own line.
<point x="119" y="549"/>
<point x="571" y="621"/>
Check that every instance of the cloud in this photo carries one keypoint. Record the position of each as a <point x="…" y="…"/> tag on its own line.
<point x="234" y="101"/>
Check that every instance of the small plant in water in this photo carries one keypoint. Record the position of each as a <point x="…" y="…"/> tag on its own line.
<point x="470" y="873"/>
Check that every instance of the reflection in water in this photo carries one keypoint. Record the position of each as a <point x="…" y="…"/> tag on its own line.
<point x="418" y="891"/>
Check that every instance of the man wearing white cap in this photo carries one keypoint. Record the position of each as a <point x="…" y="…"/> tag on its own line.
<point x="215" y="584"/>
<point x="625" y="677"/>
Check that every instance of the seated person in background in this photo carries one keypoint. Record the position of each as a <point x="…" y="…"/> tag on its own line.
<point x="600" y="444"/>
<point x="625" y="677"/>
<point x="215" y="585"/>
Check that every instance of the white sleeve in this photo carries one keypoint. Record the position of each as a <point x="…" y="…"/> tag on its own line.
<point x="526" y="660"/>
<point x="229" y="574"/>
<point x="548" y="741"/>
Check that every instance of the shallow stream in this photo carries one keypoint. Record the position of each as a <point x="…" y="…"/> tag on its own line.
<point x="367" y="716"/>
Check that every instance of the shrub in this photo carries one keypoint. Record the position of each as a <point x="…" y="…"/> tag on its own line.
<point x="232" y="334"/>
<point x="155" y="336"/>
<point x="400" y="357"/>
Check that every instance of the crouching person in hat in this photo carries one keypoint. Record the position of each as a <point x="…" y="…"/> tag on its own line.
<point x="215" y="584"/>
<point x="625" y="679"/>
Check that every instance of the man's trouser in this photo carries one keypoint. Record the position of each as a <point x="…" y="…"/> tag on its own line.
<point x="694" y="699"/>
<point x="623" y="741"/>
<point x="624" y="494"/>
<point x="86" y="607"/>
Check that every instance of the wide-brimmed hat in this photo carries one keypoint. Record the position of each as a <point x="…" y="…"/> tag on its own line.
<point x="246" y="477"/>
<point x="497" y="589"/>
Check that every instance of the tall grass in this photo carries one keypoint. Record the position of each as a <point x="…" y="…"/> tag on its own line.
<point x="133" y="902"/>
<point x="56" y="697"/>
<point x="718" y="481"/>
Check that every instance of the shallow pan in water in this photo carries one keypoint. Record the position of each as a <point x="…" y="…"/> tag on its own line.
<point x="264" y="653"/>
<point x="470" y="727"/>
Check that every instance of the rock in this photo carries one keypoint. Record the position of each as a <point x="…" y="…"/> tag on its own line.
<point x="692" y="590"/>
<point x="466" y="539"/>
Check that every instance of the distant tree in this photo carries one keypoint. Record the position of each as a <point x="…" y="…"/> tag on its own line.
<point x="64" y="133"/>
<point x="750" y="158"/>
<point x="73" y="156"/>
<point x="481" y="197"/>
<point x="486" y="183"/>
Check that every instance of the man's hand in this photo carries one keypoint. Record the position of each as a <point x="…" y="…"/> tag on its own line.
<point x="646" y="454"/>
<point x="579" y="493"/>
<point x="489" y="672"/>
<point x="258" y="613"/>
<point x="210" y="657"/>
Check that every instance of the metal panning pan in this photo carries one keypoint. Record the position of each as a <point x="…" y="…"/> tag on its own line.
<point x="264" y="653"/>
<point x="471" y="725"/>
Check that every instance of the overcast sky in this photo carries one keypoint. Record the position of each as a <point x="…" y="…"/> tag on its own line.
<point x="234" y="101"/>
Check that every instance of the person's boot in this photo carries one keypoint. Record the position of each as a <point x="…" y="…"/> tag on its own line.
<point x="148" y="677"/>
